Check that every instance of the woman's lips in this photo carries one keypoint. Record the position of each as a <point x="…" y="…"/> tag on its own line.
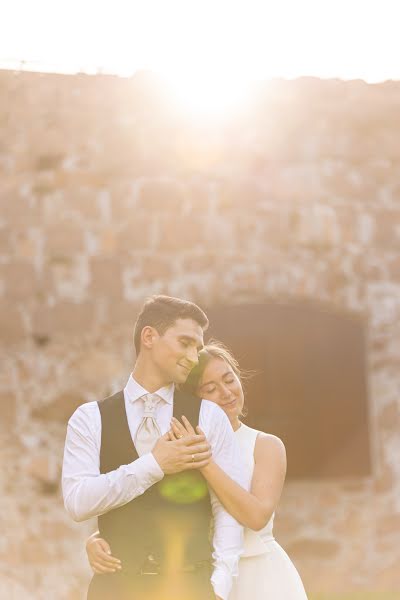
<point x="230" y="403"/>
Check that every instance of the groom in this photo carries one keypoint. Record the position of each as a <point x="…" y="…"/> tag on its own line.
<point x="152" y="504"/>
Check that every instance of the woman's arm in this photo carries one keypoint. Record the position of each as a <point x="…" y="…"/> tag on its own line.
<point x="252" y="509"/>
<point x="99" y="555"/>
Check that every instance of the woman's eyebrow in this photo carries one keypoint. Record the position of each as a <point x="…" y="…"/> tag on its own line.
<point x="208" y="382"/>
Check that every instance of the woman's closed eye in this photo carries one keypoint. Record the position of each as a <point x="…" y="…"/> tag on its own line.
<point x="209" y="390"/>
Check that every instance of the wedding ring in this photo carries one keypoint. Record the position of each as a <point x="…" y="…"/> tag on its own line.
<point x="179" y="436"/>
<point x="192" y="457"/>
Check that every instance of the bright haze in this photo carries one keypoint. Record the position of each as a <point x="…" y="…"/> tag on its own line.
<point x="209" y="51"/>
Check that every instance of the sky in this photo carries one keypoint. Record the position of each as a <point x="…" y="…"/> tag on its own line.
<point x="205" y="44"/>
<point x="340" y="38"/>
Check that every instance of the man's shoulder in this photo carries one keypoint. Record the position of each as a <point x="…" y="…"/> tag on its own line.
<point x="86" y="412"/>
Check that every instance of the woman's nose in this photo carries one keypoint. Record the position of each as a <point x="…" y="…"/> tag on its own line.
<point x="225" y="391"/>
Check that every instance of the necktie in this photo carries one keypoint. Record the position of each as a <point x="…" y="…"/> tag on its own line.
<point x="148" y="431"/>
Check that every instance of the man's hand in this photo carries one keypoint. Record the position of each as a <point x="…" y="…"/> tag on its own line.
<point x="189" y="452"/>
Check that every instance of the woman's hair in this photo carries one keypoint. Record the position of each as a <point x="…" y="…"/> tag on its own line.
<point x="213" y="349"/>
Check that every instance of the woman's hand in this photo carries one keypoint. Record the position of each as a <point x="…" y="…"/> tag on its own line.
<point x="100" y="557"/>
<point x="179" y="430"/>
<point x="185" y="429"/>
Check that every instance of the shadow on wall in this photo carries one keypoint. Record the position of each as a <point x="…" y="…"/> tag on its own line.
<point x="309" y="383"/>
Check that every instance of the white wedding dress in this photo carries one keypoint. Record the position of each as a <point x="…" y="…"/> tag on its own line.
<point x="265" y="570"/>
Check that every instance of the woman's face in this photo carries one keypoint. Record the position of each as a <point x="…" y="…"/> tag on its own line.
<point x="221" y="385"/>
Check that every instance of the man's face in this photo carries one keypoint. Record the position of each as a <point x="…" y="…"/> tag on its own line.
<point x="175" y="353"/>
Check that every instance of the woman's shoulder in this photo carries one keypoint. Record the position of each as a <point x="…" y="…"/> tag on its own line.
<point x="268" y="444"/>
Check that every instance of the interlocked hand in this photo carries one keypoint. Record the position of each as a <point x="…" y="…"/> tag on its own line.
<point x="183" y="451"/>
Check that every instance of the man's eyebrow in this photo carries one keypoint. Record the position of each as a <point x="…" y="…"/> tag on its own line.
<point x="189" y="338"/>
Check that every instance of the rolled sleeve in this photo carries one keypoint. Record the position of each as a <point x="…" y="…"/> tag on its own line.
<point x="228" y="533"/>
<point x="225" y="567"/>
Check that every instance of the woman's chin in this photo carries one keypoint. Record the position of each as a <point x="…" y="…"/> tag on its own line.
<point x="232" y="410"/>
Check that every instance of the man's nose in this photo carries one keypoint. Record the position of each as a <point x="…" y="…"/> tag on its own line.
<point x="193" y="356"/>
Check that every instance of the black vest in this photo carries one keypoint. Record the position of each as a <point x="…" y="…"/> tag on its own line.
<point x="170" y="520"/>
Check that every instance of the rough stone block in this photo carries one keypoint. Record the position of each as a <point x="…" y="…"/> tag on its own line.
<point x="389" y="417"/>
<point x="163" y="196"/>
<point x="60" y="408"/>
<point x="387" y="228"/>
<point x="239" y="196"/>
<point x="181" y="234"/>
<point x="318" y="548"/>
<point x="388" y="525"/>
<point x="388" y="578"/>
<point x="138" y="233"/>
<point x="120" y="316"/>
<point x="5" y="241"/>
<point x="8" y="408"/>
<point x="106" y="278"/>
<point x="12" y="329"/>
<point x="20" y="279"/>
<point x="97" y="367"/>
<point x="205" y="261"/>
<point x="394" y="269"/>
<point x="26" y="243"/>
<point x="156" y="267"/>
<point x="17" y="205"/>
<point x="63" y="239"/>
<point x="80" y="201"/>
<point x="44" y="469"/>
<point x="64" y="319"/>
<point x="385" y="479"/>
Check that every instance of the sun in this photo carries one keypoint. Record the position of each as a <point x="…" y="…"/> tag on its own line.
<point x="206" y="93"/>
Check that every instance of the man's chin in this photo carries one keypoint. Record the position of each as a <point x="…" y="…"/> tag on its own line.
<point x="181" y="376"/>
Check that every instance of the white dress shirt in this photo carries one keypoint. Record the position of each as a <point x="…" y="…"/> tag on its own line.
<point x="87" y="493"/>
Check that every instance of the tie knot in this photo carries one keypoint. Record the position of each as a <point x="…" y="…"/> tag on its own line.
<point x="150" y="403"/>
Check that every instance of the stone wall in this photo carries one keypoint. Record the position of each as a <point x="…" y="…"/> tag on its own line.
<point x="109" y="193"/>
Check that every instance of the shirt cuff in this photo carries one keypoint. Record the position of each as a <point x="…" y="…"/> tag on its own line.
<point x="147" y="472"/>
<point x="221" y="578"/>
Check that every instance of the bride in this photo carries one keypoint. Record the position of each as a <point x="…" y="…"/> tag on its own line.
<point x="265" y="570"/>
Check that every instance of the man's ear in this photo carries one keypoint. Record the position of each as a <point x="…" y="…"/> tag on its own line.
<point x="148" y="336"/>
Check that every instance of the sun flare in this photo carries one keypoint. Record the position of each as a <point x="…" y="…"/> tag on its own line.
<point x="210" y="94"/>
<point x="209" y="51"/>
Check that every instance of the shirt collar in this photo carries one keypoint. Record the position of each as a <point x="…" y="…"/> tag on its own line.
<point x="133" y="391"/>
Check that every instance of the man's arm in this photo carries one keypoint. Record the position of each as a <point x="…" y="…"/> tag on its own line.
<point x="228" y="534"/>
<point x="87" y="493"/>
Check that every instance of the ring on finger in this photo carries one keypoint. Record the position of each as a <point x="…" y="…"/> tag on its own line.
<point x="192" y="457"/>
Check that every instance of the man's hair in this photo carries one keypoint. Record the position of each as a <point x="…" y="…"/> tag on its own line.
<point x="161" y="312"/>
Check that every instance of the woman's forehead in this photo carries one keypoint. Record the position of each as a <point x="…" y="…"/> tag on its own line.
<point x="216" y="367"/>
